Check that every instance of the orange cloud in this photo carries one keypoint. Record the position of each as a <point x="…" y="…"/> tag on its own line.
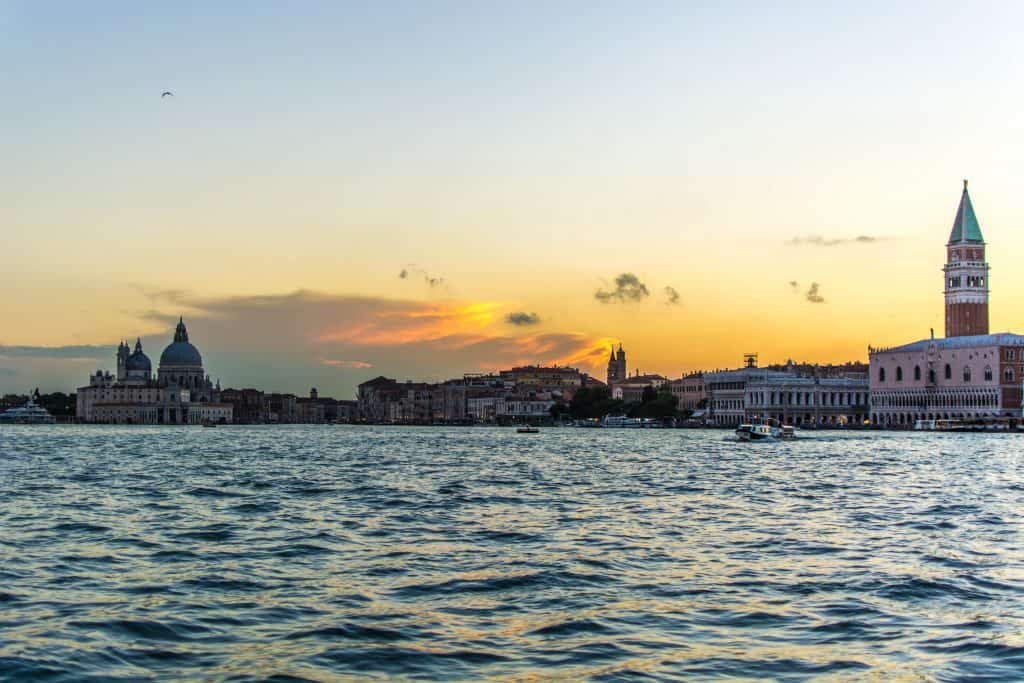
<point x="287" y="342"/>
<point x="395" y="328"/>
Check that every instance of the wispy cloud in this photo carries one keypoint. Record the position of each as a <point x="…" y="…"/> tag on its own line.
<point x="522" y="319"/>
<point x="794" y="284"/>
<point x="821" y="241"/>
<point x="814" y="294"/>
<point x="346" y="364"/>
<point x="628" y="289"/>
<point x="671" y="296"/>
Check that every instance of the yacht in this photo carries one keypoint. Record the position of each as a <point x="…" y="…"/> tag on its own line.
<point x="29" y="414"/>
<point x="622" y="422"/>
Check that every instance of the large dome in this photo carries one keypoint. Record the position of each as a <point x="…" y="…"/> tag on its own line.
<point x="180" y="351"/>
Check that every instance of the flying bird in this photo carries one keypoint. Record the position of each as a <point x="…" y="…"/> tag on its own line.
<point x="165" y="93"/>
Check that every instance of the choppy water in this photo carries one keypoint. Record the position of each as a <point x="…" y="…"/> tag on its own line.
<point x="342" y="553"/>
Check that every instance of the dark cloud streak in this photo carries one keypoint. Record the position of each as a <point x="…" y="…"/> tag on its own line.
<point x="628" y="289"/>
<point x="76" y="353"/>
<point x="414" y="271"/>
<point x="813" y="294"/>
<point x="522" y="319"/>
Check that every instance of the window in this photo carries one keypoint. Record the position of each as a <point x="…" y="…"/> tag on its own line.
<point x="899" y="373"/>
<point x="931" y="376"/>
<point x="967" y="374"/>
<point x="917" y="373"/>
<point x="988" y="373"/>
<point x="949" y="371"/>
<point x="1009" y="355"/>
<point x="1008" y="375"/>
<point x="881" y="374"/>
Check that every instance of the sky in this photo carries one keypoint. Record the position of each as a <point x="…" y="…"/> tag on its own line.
<point x="422" y="189"/>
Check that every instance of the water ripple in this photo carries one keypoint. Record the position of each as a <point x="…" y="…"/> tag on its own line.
<point x="311" y="554"/>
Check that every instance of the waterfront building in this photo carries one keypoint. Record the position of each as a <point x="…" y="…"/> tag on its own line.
<point x="344" y="411"/>
<point x="631" y="390"/>
<point x="617" y="366"/>
<point x="247" y="405"/>
<point x="727" y="393"/>
<point x="807" y="400"/>
<point x="181" y="392"/>
<point x="971" y="374"/>
<point x="474" y="398"/>
<point x="280" y="408"/>
<point x="805" y="394"/>
<point x="544" y="377"/>
<point x="485" y="408"/>
<point x="689" y="391"/>
<point x="310" y="410"/>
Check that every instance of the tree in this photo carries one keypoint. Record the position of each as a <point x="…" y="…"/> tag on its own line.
<point x="593" y="402"/>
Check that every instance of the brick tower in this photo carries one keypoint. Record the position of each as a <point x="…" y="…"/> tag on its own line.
<point x="617" y="366"/>
<point x="966" y="274"/>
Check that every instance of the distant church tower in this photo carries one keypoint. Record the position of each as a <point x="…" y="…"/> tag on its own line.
<point x="617" y="366"/>
<point x="122" y="361"/>
<point x="966" y="273"/>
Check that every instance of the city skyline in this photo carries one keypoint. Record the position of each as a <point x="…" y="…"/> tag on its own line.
<point x="435" y="195"/>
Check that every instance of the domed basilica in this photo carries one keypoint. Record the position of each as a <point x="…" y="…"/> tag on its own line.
<point x="181" y="392"/>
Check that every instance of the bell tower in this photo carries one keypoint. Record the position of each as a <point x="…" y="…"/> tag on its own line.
<point x="966" y="274"/>
<point x="122" y="361"/>
<point x="617" y="366"/>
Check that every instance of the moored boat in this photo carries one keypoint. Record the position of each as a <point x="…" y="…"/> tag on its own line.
<point x="527" y="429"/>
<point x="29" y="414"/>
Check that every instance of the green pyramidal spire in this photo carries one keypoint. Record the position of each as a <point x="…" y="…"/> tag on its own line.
<point x="965" y="226"/>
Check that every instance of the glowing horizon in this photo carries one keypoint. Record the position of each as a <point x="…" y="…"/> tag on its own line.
<point x="420" y="191"/>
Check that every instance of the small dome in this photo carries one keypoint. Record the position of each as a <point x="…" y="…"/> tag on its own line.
<point x="138" y="360"/>
<point x="181" y="353"/>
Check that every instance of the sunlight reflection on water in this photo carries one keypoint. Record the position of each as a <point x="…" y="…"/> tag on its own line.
<point x="333" y="552"/>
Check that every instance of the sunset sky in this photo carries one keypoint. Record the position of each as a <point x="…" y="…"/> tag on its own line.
<point x="340" y="190"/>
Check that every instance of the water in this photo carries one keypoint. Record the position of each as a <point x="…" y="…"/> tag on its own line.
<point x="344" y="553"/>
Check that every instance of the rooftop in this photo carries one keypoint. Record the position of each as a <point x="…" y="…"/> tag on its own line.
<point x="971" y="341"/>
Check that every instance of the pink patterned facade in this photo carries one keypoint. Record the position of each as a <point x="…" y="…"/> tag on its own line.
<point x="970" y="374"/>
<point x="955" y="378"/>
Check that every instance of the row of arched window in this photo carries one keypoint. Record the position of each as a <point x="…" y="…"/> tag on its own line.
<point x="1007" y="374"/>
<point x="943" y="400"/>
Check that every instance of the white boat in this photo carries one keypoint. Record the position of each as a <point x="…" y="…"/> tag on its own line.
<point x="761" y="430"/>
<point x="527" y="429"/>
<point x="622" y="422"/>
<point x="29" y="414"/>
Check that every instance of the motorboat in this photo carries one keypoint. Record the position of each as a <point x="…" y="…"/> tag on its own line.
<point x="527" y="429"/>
<point x="760" y="430"/>
<point x="29" y="414"/>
